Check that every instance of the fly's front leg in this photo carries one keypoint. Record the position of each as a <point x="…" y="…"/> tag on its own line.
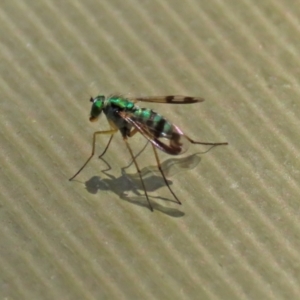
<point x="112" y="132"/>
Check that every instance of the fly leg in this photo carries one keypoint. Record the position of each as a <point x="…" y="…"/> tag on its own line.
<point x="111" y="132"/>
<point x="163" y="175"/>
<point x="136" y="165"/>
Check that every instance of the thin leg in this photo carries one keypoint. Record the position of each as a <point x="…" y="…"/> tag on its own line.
<point x="139" y="171"/>
<point x="106" y="146"/>
<point x="163" y="175"/>
<point x="201" y="143"/>
<point x="112" y="131"/>
<point x="133" y="132"/>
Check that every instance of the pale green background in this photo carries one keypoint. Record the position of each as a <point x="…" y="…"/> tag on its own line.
<point x="236" y="236"/>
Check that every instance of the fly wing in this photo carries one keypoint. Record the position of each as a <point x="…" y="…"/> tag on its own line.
<point x="163" y="135"/>
<point x="176" y="99"/>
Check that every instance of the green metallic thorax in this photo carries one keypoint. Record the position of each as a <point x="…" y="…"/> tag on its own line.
<point x="120" y="102"/>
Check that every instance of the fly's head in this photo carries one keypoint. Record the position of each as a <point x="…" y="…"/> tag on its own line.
<point x="97" y="107"/>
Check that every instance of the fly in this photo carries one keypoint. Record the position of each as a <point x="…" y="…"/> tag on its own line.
<point x="124" y="116"/>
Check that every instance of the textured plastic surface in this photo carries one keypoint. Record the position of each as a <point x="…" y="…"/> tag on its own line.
<point x="236" y="236"/>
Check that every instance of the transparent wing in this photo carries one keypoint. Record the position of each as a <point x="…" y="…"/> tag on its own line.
<point x="172" y="99"/>
<point x="163" y="135"/>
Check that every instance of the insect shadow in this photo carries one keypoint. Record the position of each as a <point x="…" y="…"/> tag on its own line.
<point x="130" y="183"/>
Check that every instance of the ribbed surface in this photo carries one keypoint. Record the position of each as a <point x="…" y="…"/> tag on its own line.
<point x="237" y="234"/>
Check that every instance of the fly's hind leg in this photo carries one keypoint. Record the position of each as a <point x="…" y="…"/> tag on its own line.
<point x="163" y="175"/>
